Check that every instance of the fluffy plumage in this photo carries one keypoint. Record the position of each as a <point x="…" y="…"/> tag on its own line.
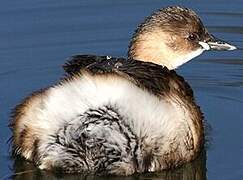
<point x="121" y="116"/>
<point x="110" y="116"/>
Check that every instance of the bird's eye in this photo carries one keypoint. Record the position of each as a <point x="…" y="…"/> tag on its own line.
<point x="193" y="37"/>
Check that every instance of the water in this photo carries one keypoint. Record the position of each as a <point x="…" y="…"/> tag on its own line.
<point x="36" y="37"/>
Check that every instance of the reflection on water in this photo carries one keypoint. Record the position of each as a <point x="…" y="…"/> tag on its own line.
<point x="195" y="170"/>
<point x="37" y="37"/>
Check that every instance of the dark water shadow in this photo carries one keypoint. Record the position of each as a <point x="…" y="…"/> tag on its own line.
<point x="226" y="29"/>
<point x="195" y="170"/>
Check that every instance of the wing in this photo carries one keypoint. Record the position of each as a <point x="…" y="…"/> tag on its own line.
<point x="78" y="62"/>
<point x="152" y="77"/>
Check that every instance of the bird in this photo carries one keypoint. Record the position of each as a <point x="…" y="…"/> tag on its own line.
<point x="120" y="116"/>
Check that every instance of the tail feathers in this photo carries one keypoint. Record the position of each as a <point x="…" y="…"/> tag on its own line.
<point x="97" y="141"/>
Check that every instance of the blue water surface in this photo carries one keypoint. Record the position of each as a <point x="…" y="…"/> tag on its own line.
<point x="36" y="37"/>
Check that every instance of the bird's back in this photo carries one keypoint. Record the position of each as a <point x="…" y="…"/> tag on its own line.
<point x="110" y="115"/>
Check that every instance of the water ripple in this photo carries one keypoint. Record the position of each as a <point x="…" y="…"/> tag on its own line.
<point x="227" y="29"/>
